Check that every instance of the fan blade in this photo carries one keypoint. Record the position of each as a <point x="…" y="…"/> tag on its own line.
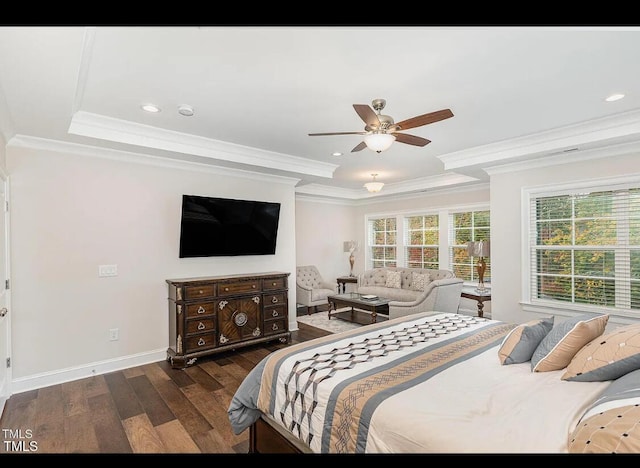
<point x="424" y="119"/>
<point x="367" y="114"/>
<point x="338" y="133"/>
<point x="411" y="139"/>
<point x="360" y="147"/>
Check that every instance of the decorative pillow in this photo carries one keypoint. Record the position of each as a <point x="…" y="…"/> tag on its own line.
<point x="610" y="425"/>
<point x="518" y="346"/>
<point x="419" y="281"/>
<point x="393" y="279"/>
<point x="565" y="339"/>
<point x="608" y="357"/>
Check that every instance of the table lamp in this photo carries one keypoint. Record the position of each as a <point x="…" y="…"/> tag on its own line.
<point x="350" y="246"/>
<point x="479" y="249"/>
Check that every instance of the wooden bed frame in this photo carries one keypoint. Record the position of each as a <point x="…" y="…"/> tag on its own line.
<point x="266" y="436"/>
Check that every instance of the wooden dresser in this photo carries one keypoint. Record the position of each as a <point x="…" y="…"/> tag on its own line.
<point x="212" y="314"/>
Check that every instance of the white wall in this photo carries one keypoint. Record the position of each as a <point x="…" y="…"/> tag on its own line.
<point x="506" y="222"/>
<point x="321" y="229"/>
<point x="71" y="213"/>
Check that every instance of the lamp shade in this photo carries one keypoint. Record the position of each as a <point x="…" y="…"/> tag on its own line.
<point x="479" y="249"/>
<point x="379" y="142"/>
<point x="350" y="246"/>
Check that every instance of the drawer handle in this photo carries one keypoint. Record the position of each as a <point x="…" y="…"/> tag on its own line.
<point x="201" y="342"/>
<point x="253" y="286"/>
<point x="200" y="291"/>
<point x="274" y="283"/>
<point x="201" y="310"/>
<point x="275" y="327"/>
<point x="275" y="313"/>
<point x="274" y="300"/>
<point x="201" y="326"/>
<point x="226" y="289"/>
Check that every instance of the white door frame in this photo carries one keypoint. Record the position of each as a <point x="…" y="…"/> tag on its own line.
<point x="5" y="299"/>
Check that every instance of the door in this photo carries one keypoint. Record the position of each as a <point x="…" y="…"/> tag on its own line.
<point x="5" y="317"/>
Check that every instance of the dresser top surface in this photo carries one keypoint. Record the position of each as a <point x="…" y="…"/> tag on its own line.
<point x="227" y="277"/>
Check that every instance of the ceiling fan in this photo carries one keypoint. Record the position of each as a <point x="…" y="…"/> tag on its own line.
<point x="381" y="131"/>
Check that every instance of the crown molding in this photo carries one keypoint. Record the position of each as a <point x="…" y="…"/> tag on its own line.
<point x="30" y="142"/>
<point x="83" y="69"/>
<point x="567" y="158"/>
<point x="603" y="130"/>
<point x="401" y="188"/>
<point x="133" y="133"/>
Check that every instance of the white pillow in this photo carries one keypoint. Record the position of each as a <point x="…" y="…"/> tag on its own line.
<point x="393" y="279"/>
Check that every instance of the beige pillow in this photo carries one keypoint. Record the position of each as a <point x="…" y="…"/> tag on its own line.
<point x="565" y="339"/>
<point x="419" y="281"/>
<point x="607" y="357"/>
<point x="393" y="279"/>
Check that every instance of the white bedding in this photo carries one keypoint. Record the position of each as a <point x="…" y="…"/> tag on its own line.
<point x="479" y="406"/>
<point x="442" y="394"/>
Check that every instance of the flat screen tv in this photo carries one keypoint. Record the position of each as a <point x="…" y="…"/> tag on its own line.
<point x="221" y="227"/>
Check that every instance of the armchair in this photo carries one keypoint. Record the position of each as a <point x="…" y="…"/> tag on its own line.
<point x="311" y="289"/>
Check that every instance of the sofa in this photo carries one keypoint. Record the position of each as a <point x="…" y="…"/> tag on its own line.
<point x="413" y="290"/>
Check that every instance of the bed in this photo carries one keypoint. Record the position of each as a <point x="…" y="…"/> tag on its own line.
<point x="427" y="383"/>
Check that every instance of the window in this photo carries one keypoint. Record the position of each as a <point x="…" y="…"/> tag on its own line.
<point x="466" y="227"/>
<point x="432" y="239"/>
<point x="382" y="242"/>
<point x="422" y="241"/>
<point x="584" y="247"/>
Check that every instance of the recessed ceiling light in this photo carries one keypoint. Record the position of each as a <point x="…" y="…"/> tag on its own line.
<point x="185" y="110"/>
<point x="614" y="97"/>
<point x="336" y="154"/>
<point x="150" y="108"/>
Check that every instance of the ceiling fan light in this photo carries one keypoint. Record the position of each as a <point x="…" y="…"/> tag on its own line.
<point x="379" y="142"/>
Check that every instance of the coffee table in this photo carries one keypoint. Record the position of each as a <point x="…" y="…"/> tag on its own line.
<point x="357" y="307"/>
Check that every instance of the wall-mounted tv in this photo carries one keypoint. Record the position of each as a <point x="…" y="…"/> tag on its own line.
<point x="220" y="227"/>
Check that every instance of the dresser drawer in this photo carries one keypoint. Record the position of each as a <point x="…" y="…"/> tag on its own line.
<point x="236" y="287"/>
<point x="198" y="342"/>
<point x="274" y="299"/>
<point x="272" y="327"/>
<point x="275" y="312"/>
<point x="200" y="308"/>
<point x="274" y="283"/>
<point x="198" y="292"/>
<point x="200" y="326"/>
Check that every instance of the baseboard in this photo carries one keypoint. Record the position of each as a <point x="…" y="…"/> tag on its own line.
<point x="46" y="379"/>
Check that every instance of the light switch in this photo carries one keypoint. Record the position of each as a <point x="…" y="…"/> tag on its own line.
<point x="107" y="270"/>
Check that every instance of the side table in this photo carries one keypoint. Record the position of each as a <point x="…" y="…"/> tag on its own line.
<point x="470" y="292"/>
<point x="342" y="283"/>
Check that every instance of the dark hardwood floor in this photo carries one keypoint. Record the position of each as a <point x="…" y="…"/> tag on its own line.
<point x="148" y="409"/>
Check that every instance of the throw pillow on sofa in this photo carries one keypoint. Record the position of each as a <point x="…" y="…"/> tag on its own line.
<point x="419" y="281"/>
<point x="393" y="279"/>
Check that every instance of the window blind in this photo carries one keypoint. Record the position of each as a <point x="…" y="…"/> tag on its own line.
<point x="585" y="248"/>
<point x="421" y="240"/>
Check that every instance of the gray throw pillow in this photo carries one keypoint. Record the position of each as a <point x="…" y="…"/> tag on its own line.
<point x="518" y="346"/>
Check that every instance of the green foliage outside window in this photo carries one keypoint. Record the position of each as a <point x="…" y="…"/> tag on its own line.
<point x="470" y="226"/>
<point x="587" y="248"/>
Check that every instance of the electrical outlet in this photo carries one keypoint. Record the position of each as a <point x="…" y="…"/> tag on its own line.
<point x="114" y="334"/>
<point x="107" y="270"/>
